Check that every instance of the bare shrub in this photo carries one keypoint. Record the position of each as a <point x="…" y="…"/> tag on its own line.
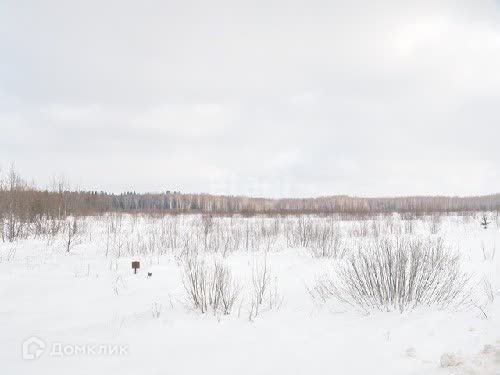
<point x="392" y="225"/>
<point x="260" y="284"/>
<point x="488" y="254"/>
<point x="156" y="310"/>
<point x="195" y="281"/>
<point x="409" y="226"/>
<point x="300" y="232"/>
<point x="224" y="290"/>
<point x="435" y="224"/>
<point x="264" y="294"/>
<point x="13" y="217"/>
<point x="72" y="234"/>
<point x="360" y="229"/>
<point x="327" y="243"/>
<point x="376" y="228"/>
<point x="207" y="223"/>
<point x="118" y="284"/>
<point x="323" y="238"/>
<point x="398" y="274"/>
<point x="489" y="291"/>
<point x="9" y="254"/>
<point x="210" y="288"/>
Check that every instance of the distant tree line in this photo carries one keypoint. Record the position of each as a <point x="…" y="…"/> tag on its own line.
<point x="22" y="200"/>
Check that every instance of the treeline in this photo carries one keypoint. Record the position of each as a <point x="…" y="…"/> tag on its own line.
<point x="219" y="204"/>
<point x="24" y="201"/>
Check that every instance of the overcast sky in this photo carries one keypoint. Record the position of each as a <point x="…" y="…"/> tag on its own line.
<point x="267" y="98"/>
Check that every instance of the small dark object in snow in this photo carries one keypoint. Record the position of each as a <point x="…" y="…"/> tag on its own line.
<point x="485" y="222"/>
<point x="150" y="274"/>
<point x="136" y="265"/>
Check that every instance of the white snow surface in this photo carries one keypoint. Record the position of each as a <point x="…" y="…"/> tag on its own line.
<point x="89" y="300"/>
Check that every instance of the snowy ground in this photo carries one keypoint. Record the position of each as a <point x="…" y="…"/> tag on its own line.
<point x="87" y="313"/>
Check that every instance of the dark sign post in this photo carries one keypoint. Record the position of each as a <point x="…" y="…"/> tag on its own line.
<point x="136" y="265"/>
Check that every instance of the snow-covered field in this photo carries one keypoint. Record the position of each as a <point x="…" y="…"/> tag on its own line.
<point x="84" y="311"/>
